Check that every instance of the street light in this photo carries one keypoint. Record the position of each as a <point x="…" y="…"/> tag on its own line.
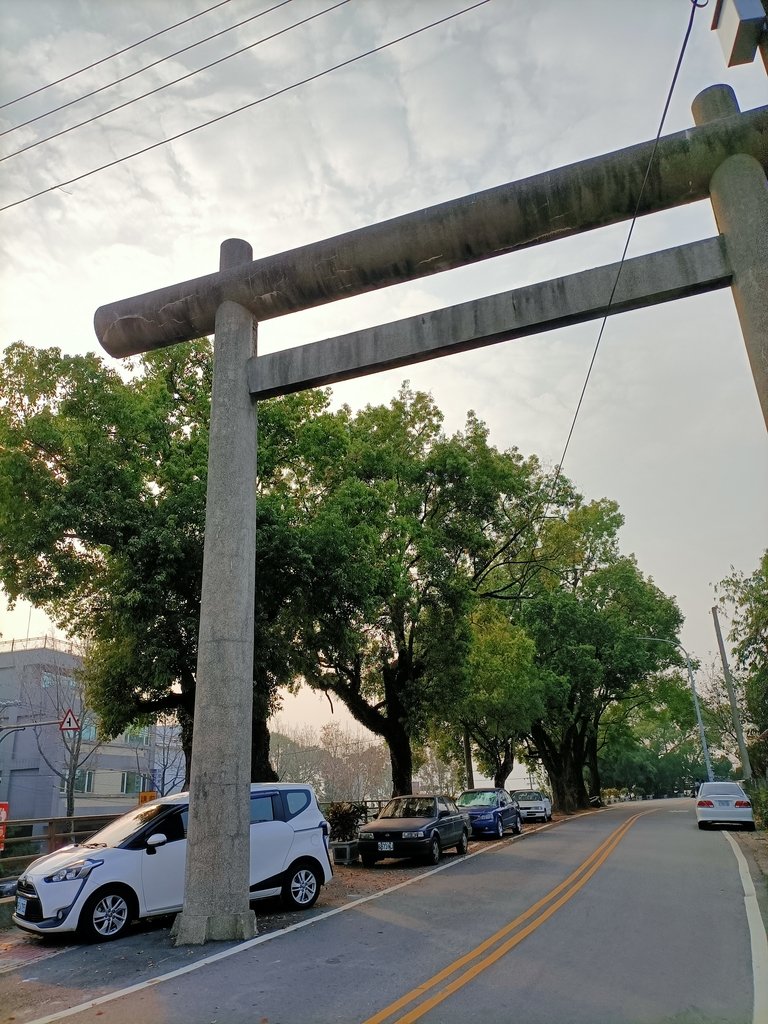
<point x="704" y="747"/>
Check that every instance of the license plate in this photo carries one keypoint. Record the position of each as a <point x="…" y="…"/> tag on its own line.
<point x="723" y="803"/>
<point x="21" y="905"/>
<point x="386" y="847"/>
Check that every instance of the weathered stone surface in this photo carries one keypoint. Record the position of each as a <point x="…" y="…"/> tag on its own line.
<point x="565" y="201"/>
<point x="739" y="193"/>
<point x="216" y="893"/>
<point x="660" y="277"/>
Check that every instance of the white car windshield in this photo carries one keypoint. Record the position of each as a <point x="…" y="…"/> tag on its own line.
<point x="526" y="796"/>
<point x="123" y="827"/>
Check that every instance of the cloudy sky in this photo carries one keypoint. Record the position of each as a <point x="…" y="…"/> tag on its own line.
<point x="670" y="426"/>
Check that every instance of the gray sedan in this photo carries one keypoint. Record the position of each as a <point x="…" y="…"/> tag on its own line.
<point x="414" y="826"/>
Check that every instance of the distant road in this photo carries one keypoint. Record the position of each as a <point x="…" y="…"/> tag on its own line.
<point x="623" y="916"/>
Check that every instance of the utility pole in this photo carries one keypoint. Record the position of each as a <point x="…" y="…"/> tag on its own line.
<point x="745" y="765"/>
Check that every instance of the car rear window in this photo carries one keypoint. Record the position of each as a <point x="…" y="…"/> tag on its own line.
<point x="723" y="788"/>
<point x="262" y="808"/>
<point x="296" y="800"/>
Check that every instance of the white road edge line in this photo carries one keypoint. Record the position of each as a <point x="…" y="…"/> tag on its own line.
<point x="241" y="947"/>
<point x="757" y="936"/>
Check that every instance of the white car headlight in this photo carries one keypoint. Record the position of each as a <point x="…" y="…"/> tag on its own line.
<point x="413" y="835"/>
<point x="73" y="872"/>
<point x="365" y="835"/>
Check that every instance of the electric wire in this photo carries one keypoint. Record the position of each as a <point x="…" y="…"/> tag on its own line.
<point x="695" y="5"/>
<point x="546" y="500"/>
<point x="117" y="53"/>
<point x="175" y="81"/>
<point x="247" y="106"/>
<point x="147" y="67"/>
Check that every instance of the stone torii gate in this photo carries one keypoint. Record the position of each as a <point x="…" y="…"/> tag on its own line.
<point x="725" y="158"/>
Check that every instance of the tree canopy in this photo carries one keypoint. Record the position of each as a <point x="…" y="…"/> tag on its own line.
<point x="431" y="582"/>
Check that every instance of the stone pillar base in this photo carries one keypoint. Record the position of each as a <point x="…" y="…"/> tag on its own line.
<point x="195" y="930"/>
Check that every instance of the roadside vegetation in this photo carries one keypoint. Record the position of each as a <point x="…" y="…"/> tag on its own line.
<point x="461" y="601"/>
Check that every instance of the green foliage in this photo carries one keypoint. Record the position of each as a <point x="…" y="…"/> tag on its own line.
<point x="745" y="598"/>
<point x="344" y="818"/>
<point x="590" y="653"/>
<point x="102" y="512"/>
<point x="504" y="694"/>
<point x="397" y="532"/>
<point x="758" y="794"/>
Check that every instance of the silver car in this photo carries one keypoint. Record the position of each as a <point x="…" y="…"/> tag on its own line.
<point x="533" y="805"/>
<point x="723" y="803"/>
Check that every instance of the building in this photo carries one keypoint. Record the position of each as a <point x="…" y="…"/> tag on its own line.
<point x="39" y="684"/>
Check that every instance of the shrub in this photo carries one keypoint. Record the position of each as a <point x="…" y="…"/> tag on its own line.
<point x="758" y="794"/>
<point x="344" y="818"/>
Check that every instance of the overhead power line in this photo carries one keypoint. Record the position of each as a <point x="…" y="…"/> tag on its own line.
<point x="117" y="53"/>
<point x="695" y="5"/>
<point x="537" y="517"/>
<point x="182" y="78"/>
<point x="147" y="67"/>
<point x="247" y="106"/>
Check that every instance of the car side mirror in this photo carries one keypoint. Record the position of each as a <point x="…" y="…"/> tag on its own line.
<point x="444" y="814"/>
<point x="155" y="840"/>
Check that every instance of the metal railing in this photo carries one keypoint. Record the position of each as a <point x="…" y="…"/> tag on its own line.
<point x="37" y="643"/>
<point x="55" y="833"/>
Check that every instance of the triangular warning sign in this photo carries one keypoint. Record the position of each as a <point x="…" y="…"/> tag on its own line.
<point x="69" y="723"/>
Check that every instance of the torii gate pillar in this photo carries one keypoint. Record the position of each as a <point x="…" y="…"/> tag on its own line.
<point x="216" y="891"/>
<point x="739" y="193"/>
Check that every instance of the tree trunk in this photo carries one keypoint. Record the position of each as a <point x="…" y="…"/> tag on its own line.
<point x="401" y="759"/>
<point x="504" y="767"/>
<point x="565" y="769"/>
<point x="261" y="769"/>
<point x="468" y="759"/>
<point x="593" y="771"/>
<point x="185" y="727"/>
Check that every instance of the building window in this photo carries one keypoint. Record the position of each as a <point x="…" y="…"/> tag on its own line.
<point x="132" y="783"/>
<point x="83" y="781"/>
<point x="52" y="680"/>
<point x="88" y="732"/>
<point x="136" y="736"/>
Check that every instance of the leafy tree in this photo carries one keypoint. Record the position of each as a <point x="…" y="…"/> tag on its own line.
<point x="589" y="651"/>
<point x="102" y="511"/>
<point x="649" y="741"/>
<point x="745" y="599"/>
<point x="405" y="522"/>
<point x="504" y="694"/>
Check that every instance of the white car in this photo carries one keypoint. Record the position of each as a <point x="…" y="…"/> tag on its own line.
<point x="723" y="803"/>
<point x="534" y="806"/>
<point x="134" y="867"/>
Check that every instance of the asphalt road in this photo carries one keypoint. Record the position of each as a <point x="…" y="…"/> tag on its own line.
<point x="627" y="915"/>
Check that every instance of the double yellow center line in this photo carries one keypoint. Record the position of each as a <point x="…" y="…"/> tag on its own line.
<point x="500" y="943"/>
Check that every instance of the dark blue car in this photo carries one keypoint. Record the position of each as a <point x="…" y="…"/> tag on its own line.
<point x="491" y="811"/>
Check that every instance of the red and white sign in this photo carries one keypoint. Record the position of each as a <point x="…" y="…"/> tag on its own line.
<point x="4" y="811"/>
<point x="69" y="723"/>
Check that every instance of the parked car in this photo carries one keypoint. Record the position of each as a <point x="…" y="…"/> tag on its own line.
<point x="414" y="826"/>
<point x="534" y="806"/>
<point x="134" y="867"/>
<point x="491" y="811"/>
<point x="723" y="803"/>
